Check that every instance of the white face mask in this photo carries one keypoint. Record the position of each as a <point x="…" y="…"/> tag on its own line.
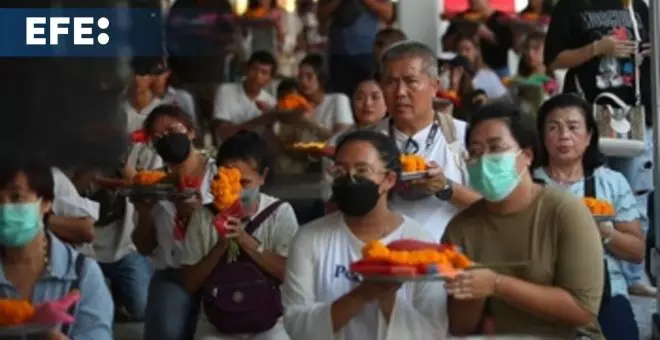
<point x="445" y="80"/>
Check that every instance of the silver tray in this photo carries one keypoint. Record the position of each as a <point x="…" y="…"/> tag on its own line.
<point x="156" y="191"/>
<point x="391" y="278"/>
<point x="18" y="332"/>
<point x="603" y="218"/>
<point x="411" y="176"/>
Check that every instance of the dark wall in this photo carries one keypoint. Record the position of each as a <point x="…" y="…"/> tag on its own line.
<point x="63" y="111"/>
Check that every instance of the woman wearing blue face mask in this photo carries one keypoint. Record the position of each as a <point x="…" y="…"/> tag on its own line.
<point x="553" y="282"/>
<point x="240" y="294"/>
<point x="35" y="265"/>
<point x="570" y="160"/>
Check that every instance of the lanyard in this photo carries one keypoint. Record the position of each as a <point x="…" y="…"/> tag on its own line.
<point x="411" y="146"/>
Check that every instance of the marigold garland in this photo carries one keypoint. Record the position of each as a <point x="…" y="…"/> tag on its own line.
<point x="149" y="177"/>
<point x="413" y="163"/>
<point x="598" y="207"/>
<point x="475" y="16"/>
<point x="226" y="187"/>
<point x="294" y="101"/>
<point x="256" y="13"/>
<point x="449" y="256"/>
<point x="530" y="16"/>
<point x="15" y="312"/>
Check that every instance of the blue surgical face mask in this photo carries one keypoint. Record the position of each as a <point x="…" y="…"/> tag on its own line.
<point x="19" y="223"/>
<point x="249" y="196"/>
<point x="495" y="176"/>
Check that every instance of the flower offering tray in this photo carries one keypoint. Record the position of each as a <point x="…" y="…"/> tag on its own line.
<point x="411" y="176"/>
<point x="603" y="218"/>
<point x="405" y="278"/>
<point x="156" y="191"/>
<point x="313" y="150"/>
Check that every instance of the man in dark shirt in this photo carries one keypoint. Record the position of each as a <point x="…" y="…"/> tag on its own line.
<point x="201" y="34"/>
<point x="495" y="35"/>
<point x="353" y="25"/>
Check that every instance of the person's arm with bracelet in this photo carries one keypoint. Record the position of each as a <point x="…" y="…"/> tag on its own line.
<point x="624" y="240"/>
<point x="623" y="237"/>
<point x="563" y="52"/>
<point x="606" y="46"/>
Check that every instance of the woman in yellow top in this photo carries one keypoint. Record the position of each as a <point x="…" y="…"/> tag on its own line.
<point x="554" y="284"/>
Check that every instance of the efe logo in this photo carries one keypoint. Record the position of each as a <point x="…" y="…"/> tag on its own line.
<point x="46" y="30"/>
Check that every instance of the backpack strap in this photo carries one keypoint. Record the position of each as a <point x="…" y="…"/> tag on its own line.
<point x="447" y="127"/>
<point x="258" y="220"/>
<point x="75" y="285"/>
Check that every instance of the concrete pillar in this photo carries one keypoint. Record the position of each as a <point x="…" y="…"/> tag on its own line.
<point x="420" y="21"/>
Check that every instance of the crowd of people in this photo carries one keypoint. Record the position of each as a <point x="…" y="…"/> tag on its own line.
<point x="504" y="183"/>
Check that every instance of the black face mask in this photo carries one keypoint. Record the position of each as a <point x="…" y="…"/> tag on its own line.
<point x="355" y="196"/>
<point x="173" y="148"/>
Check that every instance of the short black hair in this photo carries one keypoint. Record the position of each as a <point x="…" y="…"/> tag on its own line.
<point x="263" y="58"/>
<point x="39" y="178"/>
<point x="317" y="63"/>
<point x="521" y="125"/>
<point x="386" y="147"/>
<point x="145" y="66"/>
<point x="592" y="157"/>
<point x="286" y="87"/>
<point x="245" y="146"/>
<point x="391" y="33"/>
<point x="168" y="110"/>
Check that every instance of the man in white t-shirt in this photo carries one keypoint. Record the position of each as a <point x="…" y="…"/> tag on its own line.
<point x="168" y="93"/>
<point x="245" y="105"/>
<point x="410" y="81"/>
<point x="73" y="216"/>
<point x="141" y="99"/>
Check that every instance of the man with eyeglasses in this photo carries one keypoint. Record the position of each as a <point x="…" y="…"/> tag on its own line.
<point x="410" y="80"/>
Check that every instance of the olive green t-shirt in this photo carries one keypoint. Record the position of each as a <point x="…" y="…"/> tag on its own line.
<point x="557" y="237"/>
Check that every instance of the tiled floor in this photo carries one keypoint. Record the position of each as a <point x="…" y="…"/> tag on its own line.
<point x="644" y="309"/>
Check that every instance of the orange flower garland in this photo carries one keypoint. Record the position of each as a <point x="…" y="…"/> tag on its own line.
<point x="15" y="312"/>
<point x="475" y="16"/>
<point x="256" y="13"/>
<point x="530" y="16"/>
<point x="226" y="187"/>
<point x="450" y="257"/>
<point x="413" y="163"/>
<point x="149" y="177"/>
<point x="598" y="207"/>
<point x="294" y="101"/>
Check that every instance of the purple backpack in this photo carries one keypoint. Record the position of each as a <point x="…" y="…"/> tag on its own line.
<point x="239" y="297"/>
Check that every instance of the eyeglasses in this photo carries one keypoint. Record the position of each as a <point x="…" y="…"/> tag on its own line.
<point x="174" y="128"/>
<point x="361" y="170"/>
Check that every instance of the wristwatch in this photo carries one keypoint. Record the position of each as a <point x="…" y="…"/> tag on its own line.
<point x="610" y="226"/>
<point x="260" y="249"/>
<point x="446" y="193"/>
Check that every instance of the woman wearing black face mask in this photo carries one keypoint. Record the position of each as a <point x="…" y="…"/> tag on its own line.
<point x="322" y="299"/>
<point x="171" y="311"/>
